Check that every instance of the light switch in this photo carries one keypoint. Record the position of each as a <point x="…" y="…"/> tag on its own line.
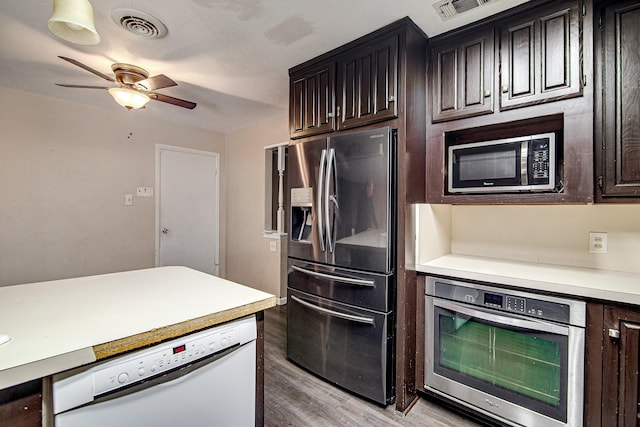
<point x="128" y="199"/>
<point x="273" y="246"/>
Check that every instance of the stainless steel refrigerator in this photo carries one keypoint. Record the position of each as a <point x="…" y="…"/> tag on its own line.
<point x="341" y="281"/>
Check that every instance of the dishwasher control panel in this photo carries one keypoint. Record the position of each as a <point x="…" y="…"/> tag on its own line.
<point x="166" y="357"/>
<point x="131" y="368"/>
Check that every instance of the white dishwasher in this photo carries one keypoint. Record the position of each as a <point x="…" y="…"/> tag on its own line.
<point x="204" y="379"/>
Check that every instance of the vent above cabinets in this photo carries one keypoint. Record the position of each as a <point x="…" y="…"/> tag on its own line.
<point x="448" y="9"/>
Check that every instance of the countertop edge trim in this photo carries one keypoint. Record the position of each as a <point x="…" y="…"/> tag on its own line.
<point x="134" y="342"/>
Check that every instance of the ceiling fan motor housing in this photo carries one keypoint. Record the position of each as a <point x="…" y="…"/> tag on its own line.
<point x="129" y="74"/>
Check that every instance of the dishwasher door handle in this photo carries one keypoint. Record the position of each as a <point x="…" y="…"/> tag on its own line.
<point x="350" y="317"/>
<point x="349" y="280"/>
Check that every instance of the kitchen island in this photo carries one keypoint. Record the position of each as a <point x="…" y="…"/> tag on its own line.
<point x="58" y="325"/>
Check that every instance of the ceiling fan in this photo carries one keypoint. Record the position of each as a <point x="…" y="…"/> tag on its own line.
<point x="134" y="88"/>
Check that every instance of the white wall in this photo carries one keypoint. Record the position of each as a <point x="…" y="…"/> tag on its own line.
<point x="249" y="260"/>
<point x="64" y="171"/>
<point x="551" y="234"/>
<point x="556" y="234"/>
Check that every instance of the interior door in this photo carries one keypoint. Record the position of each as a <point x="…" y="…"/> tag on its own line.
<point x="187" y="208"/>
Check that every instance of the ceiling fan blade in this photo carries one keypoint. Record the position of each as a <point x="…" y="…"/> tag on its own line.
<point x="171" y="100"/>
<point x="86" y="67"/>
<point x="82" y="86"/>
<point x="156" y="82"/>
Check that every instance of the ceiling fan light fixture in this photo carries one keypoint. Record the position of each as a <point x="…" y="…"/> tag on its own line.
<point x="130" y="99"/>
<point x="72" y="20"/>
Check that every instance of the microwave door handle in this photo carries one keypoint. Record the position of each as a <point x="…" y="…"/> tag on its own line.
<point x="319" y="197"/>
<point x="329" y="197"/>
<point x="350" y="317"/>
<point x="524" y="162"/>
<point x="349" y="280"/>
<point x="513" y="322"/>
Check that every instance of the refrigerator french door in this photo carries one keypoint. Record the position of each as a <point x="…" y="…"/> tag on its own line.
<point x="341" y="282"/>
<point x="341" y="193"/>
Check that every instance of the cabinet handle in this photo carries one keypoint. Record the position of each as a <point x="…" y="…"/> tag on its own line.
<point x="487" y="93"/>
<point x="505" y="89"/>
<point x="392" y="98"/>
<point x="330" y="115"/>
<point x="614" y="333"/>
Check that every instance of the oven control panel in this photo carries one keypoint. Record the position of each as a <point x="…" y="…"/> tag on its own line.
<point x="531" y="305"/>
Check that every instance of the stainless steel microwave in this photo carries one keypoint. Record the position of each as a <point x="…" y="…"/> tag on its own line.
<point x="525" y="163"/>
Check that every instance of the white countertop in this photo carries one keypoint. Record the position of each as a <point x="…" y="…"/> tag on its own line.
<point x="61" y="324"/>
<point x="604" y="285"/>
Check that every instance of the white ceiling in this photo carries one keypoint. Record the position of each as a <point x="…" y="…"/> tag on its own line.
<point x="231" y="57"/>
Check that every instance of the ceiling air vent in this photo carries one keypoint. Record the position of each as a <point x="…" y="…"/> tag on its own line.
<point x="139" y="23"/>
<point x="448" y="9"/>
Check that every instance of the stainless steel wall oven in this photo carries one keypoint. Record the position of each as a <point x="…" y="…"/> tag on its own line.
<point x="512" y="355"/>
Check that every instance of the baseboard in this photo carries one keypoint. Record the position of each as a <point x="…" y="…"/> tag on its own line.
<point x="281" y="301"/>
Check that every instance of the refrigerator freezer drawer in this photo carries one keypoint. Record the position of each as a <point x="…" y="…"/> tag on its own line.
<point x="367" y="290"/>
<point x="346" y="345"/>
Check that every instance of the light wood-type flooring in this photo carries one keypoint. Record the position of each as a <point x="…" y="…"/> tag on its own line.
<point x="294" y="397"/>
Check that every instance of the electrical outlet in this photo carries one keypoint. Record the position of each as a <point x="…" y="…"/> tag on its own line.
<point x="598" y="243"/>
<point x="144" y="191"/>
<point x="273" y="246"/>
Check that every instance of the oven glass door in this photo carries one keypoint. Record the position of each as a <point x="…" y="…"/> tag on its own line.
<point x="518" y="360"/>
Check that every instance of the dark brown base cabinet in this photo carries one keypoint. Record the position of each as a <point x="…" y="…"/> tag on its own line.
<point x="612" y="363"/>
<point x="21" y="405"/>
<point x="618" y="101"/>
<point x="621" y="363"/>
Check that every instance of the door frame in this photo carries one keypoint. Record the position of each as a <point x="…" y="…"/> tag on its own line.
<point x="216" y="217"/>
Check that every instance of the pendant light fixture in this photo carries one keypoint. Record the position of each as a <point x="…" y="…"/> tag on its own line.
<point x="72" y="20"/>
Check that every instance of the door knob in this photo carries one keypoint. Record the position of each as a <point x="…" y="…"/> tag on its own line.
<point x="165" y="231"/>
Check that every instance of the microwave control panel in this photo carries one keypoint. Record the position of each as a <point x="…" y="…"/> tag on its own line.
<point x="540" y="161"/>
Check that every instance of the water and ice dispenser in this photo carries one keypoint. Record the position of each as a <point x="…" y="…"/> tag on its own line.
<point x="301" y="214"/>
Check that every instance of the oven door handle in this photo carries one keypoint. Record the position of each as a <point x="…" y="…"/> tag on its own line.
<point x="351" y="317"/>
<point x="349" y="280"/>
<point x="514" y="322"/>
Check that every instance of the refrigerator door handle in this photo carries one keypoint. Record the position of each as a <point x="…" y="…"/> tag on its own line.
<point x="349" y="280"/>
<point x="323" y="162"/>
<point x="350" y="317"/>
<point x="330" y="197"/>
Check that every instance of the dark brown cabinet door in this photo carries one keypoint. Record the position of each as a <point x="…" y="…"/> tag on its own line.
<point x="462" y="77"/>
<point x="619" y="43"/>
<point x="621" y="359"/>
<point x="367" y="83"/>
<point x="311" y="101"/>
<point x="540" y="56"/>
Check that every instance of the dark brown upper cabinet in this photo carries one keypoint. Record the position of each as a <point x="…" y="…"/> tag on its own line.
<point x="462" y="79"/>
<point x="312" y="101"/>
<point x="368" y="83"/>
<point x="540" y="56"/>
<point x="353" y="85"/>
<point x="618" y="102"/>
<point x="525" y="71"/>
